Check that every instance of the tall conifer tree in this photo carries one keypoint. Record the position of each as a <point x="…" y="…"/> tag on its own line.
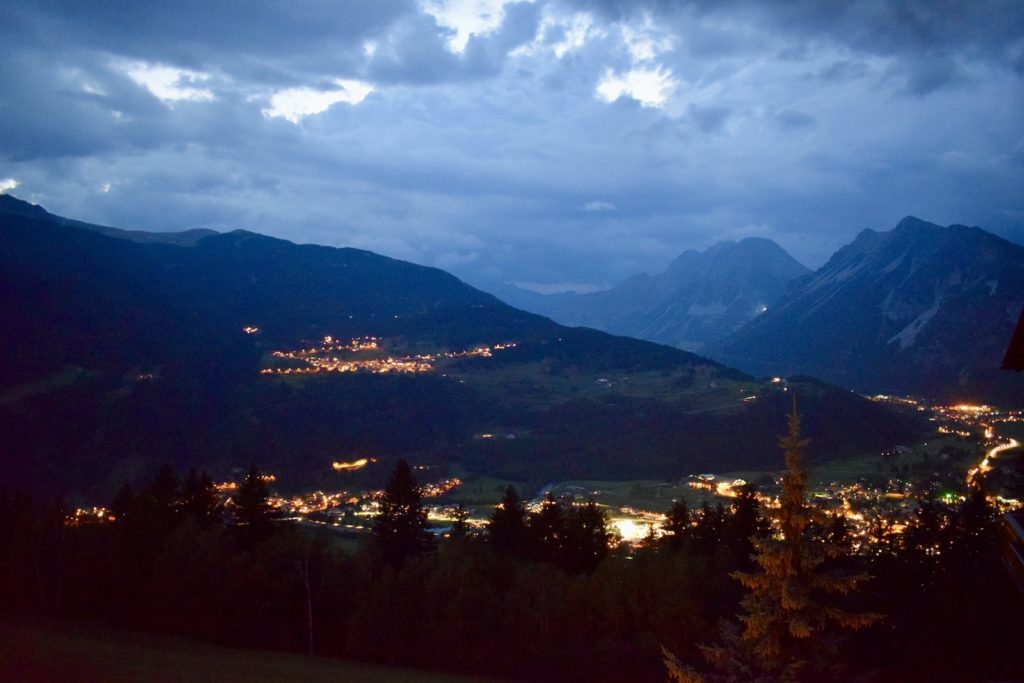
<point x="546" y="530"/>
<point x="787" y="611"/>
<point x="586" y="538"/>
<point x="678" y="524"/>
<point x="507" y="527"/>
<point x="252" y="508"/>
<point x="199" y="497"/>
<point x="401" y="525"/>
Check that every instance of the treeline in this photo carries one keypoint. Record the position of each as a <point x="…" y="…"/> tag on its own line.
<point x="540" y="595"/>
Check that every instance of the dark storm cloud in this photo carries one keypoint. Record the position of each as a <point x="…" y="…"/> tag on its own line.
<point x="709" y="118"/>
<point x="870" y="25"/>
<point x="791" y="119"/>
<point x="259" y="40"/>
<point x="471" y="134"/>
<point x="843" y="70"/>
<point x="926" y="35"/>
<point x="926" y="75"/>
<point x="982" y="26"/>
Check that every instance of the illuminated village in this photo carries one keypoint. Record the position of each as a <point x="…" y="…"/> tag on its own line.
<point x="323" y="359"/>
<point x="874" y="509"/>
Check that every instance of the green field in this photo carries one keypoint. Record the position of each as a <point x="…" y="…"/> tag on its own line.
<point x="961" y="455"/>
<point x="539" y="386"/>
<point x="941" y="454"/>
<point x="650" y="495"/>
<point x="480" y="491"/>
<point x="38" y="651"/>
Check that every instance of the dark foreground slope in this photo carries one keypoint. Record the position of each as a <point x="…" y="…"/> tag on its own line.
<point x="42" y="651"/>
<point x="117" y="355"/>
<point x="921" y="309"/>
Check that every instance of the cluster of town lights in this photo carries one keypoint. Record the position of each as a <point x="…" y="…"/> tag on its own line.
<point x="317" y="359"/>
<point x="872" y="513"/>
<point x="93" y="515"/>
<point x="353" y="465"/>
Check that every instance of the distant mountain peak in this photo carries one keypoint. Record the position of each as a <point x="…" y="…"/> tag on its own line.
<point x="700" y="297"/>
<point x="717" y="247"/>
<point x="760" y="241"/>
<point x="912" y="222"/>
<point x="757" y="252"/>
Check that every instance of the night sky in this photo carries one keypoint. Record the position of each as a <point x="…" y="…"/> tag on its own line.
<point x="546" y="143"/>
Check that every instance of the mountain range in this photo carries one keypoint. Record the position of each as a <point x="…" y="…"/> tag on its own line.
<point x="120" y="351"/>
<point x="921" y="309"/>
<point x="699" y="299"/>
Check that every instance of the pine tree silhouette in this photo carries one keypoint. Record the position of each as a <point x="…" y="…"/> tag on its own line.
<point x="123" y="501"/>
<point x="400" y="530"/>
<point x="460" y="525"/>
<point x="251" y="505"/>
<point x="546" y="530"/>
<point x="507" y="527"/>
<point x="199" y="497"/>
<point x="586" y="538"/>
<point x="743" y="524"/>
<point x="164" y="487"/>
<point x="678" y="524"/>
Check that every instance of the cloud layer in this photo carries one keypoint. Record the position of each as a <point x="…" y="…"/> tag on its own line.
<point x="541" y="142"/>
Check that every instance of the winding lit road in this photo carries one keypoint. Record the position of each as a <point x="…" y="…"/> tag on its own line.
<point x="986" y="465"/>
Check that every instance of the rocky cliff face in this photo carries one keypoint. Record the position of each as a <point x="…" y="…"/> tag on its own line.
<point x="921" y="308"/>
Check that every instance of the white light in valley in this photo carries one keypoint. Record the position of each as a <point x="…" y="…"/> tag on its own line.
<point x="631" y="530"/>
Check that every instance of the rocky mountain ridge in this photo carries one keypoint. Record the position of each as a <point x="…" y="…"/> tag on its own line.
<point x="700" y="298"/>
<point x="919" y="309"/>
